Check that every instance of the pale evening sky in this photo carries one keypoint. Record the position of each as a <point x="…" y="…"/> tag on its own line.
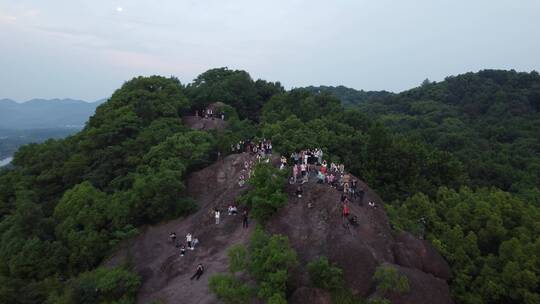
<point x="87" y="48"/>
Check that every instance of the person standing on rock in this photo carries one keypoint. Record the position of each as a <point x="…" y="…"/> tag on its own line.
<point x="198" y="273"/>
<point x="245" y="219"/>
<point x="217" y="215"/>
<point x="354" y="185"/>
<point x="346" y="209"/>
<point x="172" y="237"/>
<point x="361" y="194"/>
<point x="188" y="240"/>
<point x="295" y="172"/>
<point x="303" y="169"/>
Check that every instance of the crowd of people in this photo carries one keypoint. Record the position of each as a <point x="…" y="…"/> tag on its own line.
<point x="263" y="148"/>
<point x="210" y="114"/>
<point x="306" y="164"/>
<point x="310" y="163"/>
<point x="190" y="244"/>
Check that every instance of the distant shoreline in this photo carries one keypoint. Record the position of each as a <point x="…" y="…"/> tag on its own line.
<point x="6" y="161"/>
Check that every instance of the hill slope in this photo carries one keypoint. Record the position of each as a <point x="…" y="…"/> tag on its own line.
<point x="312" y="232"/>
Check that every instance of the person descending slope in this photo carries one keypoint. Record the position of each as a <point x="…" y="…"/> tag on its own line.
<point x="199" y="272"/>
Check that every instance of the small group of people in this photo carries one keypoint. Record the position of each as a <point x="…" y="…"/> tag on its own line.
<point x="247" y="171"/>
<point x="308" y="157"/>
<point x="191" y="242"/>
<point x="210" y="114"/>
<point x="232" y="210"/>
<point x="310" y="162"/>
<point x="262" y="148"/>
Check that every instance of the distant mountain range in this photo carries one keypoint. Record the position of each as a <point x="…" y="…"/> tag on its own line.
<point x="46" y="113"/>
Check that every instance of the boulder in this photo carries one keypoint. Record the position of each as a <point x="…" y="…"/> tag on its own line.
<point x="414" y="253"/>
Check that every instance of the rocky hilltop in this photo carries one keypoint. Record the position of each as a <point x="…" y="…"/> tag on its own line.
<point x="315" y="230"/>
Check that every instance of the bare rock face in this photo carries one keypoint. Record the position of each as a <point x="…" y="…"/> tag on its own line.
<point x="199" y="123"/>
<point x="165" y="274"/>
<point x="414" y="253"/>
<point x="424" y="289"/>
<point x="315" y="227"/>
<point x="304" y="295"/>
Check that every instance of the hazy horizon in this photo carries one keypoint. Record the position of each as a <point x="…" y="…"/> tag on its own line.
<point x="87" y="49"/>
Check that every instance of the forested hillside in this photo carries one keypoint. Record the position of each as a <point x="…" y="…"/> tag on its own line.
<point x="348" y="96"/>
<point x="457" y="162"/>
<point x="489" y="120"/>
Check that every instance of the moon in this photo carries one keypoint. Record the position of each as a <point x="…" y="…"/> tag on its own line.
<point x="119" y="9"/>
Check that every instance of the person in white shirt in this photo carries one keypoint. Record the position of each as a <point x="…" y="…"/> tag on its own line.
<point x="188" y="240"/>
<point x="217" y="214"/>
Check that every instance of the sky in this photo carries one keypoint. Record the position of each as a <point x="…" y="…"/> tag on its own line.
<point x="85" y="49"/>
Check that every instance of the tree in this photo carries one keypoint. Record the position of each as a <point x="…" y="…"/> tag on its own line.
<point x="229" y="289"/>
<point x="266" y="196"/>
<point x="390" y="280"/>
<point x="324" y="275"/>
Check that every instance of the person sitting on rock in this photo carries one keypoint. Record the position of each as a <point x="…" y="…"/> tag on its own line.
<point x="354" y="220"/>
<point x="305" y="179"/>
<point x="182" y="250"/>
<point x="299" y="191"/>
<point x="198" y="272"/>
<point x="320" y="177"/>
<point x="372" y="204"/>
